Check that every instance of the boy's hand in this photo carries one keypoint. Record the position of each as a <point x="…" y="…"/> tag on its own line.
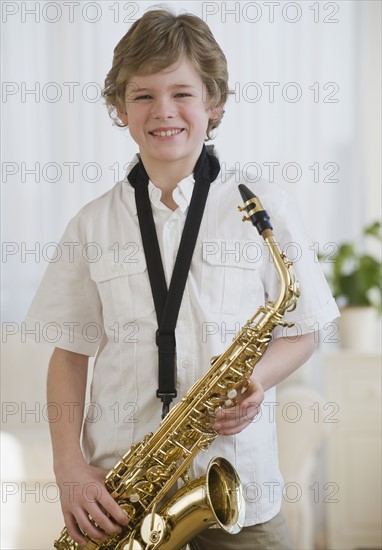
<point x="233" y="420"/>
<point x="83" y="494"/>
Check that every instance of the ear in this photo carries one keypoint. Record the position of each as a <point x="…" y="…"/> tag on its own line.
<point x="121" y="112"/>
<point x="122" y="115"/>
<point x="215" y="112"/>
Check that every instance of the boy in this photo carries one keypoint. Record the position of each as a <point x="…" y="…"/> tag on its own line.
<point x="168" y="85"/>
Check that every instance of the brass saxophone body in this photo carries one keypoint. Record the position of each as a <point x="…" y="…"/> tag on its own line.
<point x="140" y="481"/>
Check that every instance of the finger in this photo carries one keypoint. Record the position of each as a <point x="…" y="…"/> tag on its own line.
<point x="73" y="529"/>
<point x="231" y="427"/>
<point x="113" y="509"/>
<point x="230" y="421"/>
<point x="104" y="522"/>
<point x="246" y="411"/>
<point x="249" y="409"/>
<point x="88" y="527"/>
<point x="231" y="431"/>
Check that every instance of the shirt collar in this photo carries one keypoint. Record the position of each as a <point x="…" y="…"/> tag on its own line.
<point x="181" y="194"/>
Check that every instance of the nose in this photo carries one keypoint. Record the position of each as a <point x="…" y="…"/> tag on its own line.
<point x="163" y="108"/>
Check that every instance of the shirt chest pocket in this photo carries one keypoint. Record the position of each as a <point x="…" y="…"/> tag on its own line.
<point x="123" y="286"/>
<point x="230" y="277"/>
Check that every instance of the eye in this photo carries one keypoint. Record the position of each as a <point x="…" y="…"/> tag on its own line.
<point x="142" y="97"/>
<point x="183" y="94"/>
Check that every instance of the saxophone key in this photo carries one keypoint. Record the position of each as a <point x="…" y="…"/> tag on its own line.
<point x="214" y="402"/>
<point x="129" y="510"/>
<point x="155" y="473"/>
<point x="153" y="529"/>
<point x="170" y="454"/>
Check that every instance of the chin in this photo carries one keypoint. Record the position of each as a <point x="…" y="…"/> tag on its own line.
<point x="172" y="154"/>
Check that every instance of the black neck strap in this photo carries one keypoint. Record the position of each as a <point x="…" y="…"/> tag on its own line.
<point x="167" y="303"/>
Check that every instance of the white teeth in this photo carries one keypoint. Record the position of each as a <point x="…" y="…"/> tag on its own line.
<point x="167" y="133"/>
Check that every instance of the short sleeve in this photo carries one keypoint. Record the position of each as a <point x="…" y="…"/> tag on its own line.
<point x="66" y="311"/>
<point x="316" y="305"/>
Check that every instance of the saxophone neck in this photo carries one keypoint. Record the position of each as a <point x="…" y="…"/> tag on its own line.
<point x="256" y="213"/>
<point x="289" y="289"/>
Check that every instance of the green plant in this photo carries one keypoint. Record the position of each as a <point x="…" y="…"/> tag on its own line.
<point x="355" y="277"/>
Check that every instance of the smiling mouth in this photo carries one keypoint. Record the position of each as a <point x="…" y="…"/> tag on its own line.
<point x="166" y="133"/>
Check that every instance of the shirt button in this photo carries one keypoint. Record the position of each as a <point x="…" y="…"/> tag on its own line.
<point x="116" y="267"/>
<point x="185" y="364"/>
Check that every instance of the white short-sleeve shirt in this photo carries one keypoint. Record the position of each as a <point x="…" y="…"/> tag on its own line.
<point x="97" y="298"/>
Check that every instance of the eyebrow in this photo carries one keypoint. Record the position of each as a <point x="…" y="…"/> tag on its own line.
<point x="171" y="87"/>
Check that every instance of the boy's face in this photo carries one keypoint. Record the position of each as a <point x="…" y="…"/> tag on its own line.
<point x="167" y="114"/>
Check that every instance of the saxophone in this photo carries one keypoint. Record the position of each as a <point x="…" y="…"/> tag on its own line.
<point x="141" y="480"/>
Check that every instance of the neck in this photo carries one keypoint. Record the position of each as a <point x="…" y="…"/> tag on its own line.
<point x="167" y="174"/>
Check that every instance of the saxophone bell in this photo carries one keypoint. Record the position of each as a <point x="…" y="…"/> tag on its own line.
<point x="215" y="498"/>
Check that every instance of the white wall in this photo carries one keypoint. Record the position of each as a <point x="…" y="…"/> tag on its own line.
<point x="327" y="52"/>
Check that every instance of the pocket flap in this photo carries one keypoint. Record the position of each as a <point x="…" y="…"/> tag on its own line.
<point x="107" y="268"/>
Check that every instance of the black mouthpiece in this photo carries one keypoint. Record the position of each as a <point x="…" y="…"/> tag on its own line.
<point x="246" y="194"/>
<point x="256" y="213"/>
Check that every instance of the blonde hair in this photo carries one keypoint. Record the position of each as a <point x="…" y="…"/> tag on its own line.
<point x="156" y="41"/>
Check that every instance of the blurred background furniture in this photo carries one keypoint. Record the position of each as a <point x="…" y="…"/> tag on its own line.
<point x="31" y="511"/>
<point x="301" y="432"/>
<point x="353" y="382"/>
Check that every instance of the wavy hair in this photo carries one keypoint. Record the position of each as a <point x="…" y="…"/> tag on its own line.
<point x="157" y="40"/>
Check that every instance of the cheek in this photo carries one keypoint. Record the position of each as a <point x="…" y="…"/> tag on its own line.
<point x="135" y="129"/>
<point x="136" y="113"/>
<point x="198" y="118"/>
<point x="136" y="122"/>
